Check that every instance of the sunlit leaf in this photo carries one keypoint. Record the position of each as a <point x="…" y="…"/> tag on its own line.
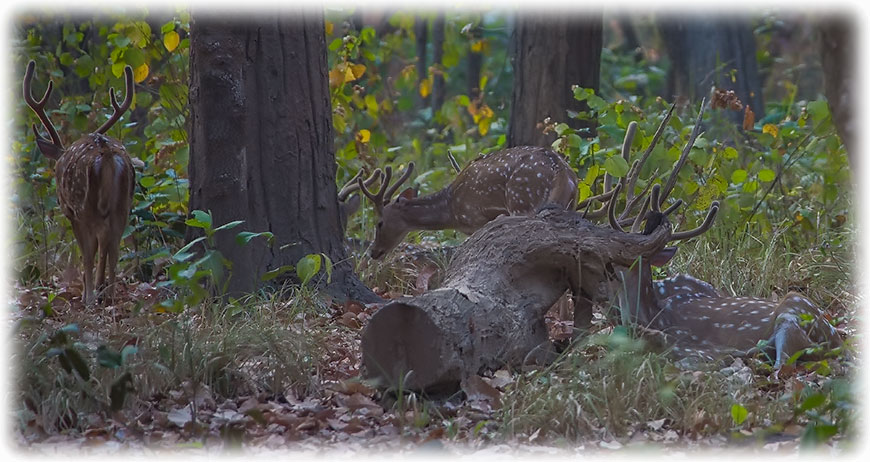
<point x="738" y="413"/>
<point x="770" y="129"/>
<point x="170" y="40"/>
<point x="140" y="73"/>
<point x="363" y="136"/>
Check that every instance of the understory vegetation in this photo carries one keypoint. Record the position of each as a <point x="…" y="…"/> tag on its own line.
<point x="172" y="365"/>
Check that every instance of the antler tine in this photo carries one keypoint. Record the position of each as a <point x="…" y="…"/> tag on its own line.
<point x="377" y="198"/>
<point x="352" y="185"/>
<point x="673" y="207"/>
<point x="630" y="132"/>
<point x="128" y="99"/>
<point x="635" y="227"/>
<point x="392" y="188"/>
<point x="611" y="206"/>
<point x="39" y="106"/>
<point x="672" y="180"/>
<point x="708" y="222"/>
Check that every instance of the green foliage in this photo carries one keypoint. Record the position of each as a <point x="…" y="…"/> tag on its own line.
<point x="787" y="173"/>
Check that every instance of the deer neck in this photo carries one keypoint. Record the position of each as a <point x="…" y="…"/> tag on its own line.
<point x="431" y="212"/>
<point x="637" y="293"/>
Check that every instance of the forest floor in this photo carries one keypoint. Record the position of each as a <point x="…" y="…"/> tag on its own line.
<point x="283" y="374"/>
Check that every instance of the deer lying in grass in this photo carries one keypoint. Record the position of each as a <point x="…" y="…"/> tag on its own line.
<point x="698" y="321"/>
<point x="95" y="182"/>
<point x="513" y="181"/>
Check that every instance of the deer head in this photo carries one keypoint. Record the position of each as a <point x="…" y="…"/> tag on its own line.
<point x="696" y="320"/>
<point x="392" y="226"/>
<point x="95" y="183"/>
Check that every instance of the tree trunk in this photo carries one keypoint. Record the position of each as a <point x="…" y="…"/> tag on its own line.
<point x="551" y="54"/>
<point x="438" y="87"/>
<point x="838" y="57"/>
<point x="490" y="309"/>
<point x="421" y="32"/>
<point x="707" y="52"/>
<point x="261" y="143"/>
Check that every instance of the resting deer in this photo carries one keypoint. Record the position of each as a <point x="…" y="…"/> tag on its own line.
<point x="95" y="182"/>
<point x="513" y="181"/>
<point x="698" y="321"/>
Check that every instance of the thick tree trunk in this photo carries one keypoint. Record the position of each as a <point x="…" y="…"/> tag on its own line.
<point x="551" y="54"/>
<point x="707" y="52"/>
<point x="490" y="309"/>
<point x="838" y="58"/>
<point x="261" y="142"/>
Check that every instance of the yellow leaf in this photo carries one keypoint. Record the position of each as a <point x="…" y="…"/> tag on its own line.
<point x="771" y="129"/>
<point x="358" y="70"/>
<point x="329" y="27"/>
<point x="363" y="136"/>
<point x="336" y="77"/>
<point x="348" y="74"/>
<point x="140" y="73"/>
<point x="425" y="87"/>
<point x="170" y="40"/>
<point x="483" y="126"/>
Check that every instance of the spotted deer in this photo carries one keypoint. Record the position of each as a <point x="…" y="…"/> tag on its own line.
<point x="696" y="320"/>
<point x="95" y="182"/>
<point x="513" y="181"/>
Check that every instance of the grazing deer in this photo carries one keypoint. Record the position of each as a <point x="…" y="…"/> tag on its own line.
<point x="95" y="182"/>
<point x="513" y="181"/>
<point x="696" y="320"/>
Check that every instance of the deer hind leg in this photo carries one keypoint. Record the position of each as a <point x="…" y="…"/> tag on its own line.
<point x="88" y="245"/>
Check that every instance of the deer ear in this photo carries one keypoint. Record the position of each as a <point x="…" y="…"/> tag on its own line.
<point x="408" y="193"/>
<point x="48" y="149"/>
<point x="663" y="257"/>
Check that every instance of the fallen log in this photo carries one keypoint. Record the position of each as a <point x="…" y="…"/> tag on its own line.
<point x="489" y="312"/>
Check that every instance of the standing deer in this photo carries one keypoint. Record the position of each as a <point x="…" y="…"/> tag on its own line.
<point x="698" y="321"/>
<point x="513" y="181"/>
<point x="95" y="182"/>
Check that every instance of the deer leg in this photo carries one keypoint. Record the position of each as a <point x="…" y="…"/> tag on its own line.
<point x="101" y="264"/>
<point x="112" y="265"/>
<point x="88" y="245"/>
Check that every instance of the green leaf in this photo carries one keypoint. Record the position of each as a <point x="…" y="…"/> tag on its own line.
<point x="738" y="176"/>
<point x="766" y="175"/>
<point x="813" y="401"/>
<point x="335" y="44"/>
<point x="730" y="153"/>
<point x="183" y="254"/>
<point x="119" y="390"/>
<point x="200" y="220"/>
<point x="328" y="267"/>
<point x="77" y="362"/>
<point x="818" y="110"/>
<point x="229" y="225"/>
<point x="244" y="237"/>
<point x="307" y="267"/>
<point x="616" y="166"/>
<point x="269" y="275"/>
<point x="738" y="413"/>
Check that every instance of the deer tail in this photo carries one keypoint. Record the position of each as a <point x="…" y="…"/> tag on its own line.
<point x="110" y="170"/>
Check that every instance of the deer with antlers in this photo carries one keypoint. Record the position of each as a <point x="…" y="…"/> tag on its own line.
<point x="513" y="181"/>
<point x="95" y="182"/>
<point x="696" y="320"/>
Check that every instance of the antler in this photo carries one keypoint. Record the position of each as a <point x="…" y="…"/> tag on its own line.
<point x="657" y="196"/>
<point x="353" y="185"/>
<point x="385" y="193"/>
<point x="128" y="99"/>
<point x="39" y="107"/>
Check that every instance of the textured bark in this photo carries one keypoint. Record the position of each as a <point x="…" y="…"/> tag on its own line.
<point x="261" y="142"/>
<point x="490" y="309"/>
<point x="704" y="51"/>
<point x="551" y="54"/>
<point x="838" y="58"/>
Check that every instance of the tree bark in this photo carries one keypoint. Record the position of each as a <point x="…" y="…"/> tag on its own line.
<point x="707" y="52"/>
<point x="838" y="58"/>
<point x="551" y="54"/>
<point x="262" y="143"/>
<point x="490" y="309"/>
<point x="475" y="64"/>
